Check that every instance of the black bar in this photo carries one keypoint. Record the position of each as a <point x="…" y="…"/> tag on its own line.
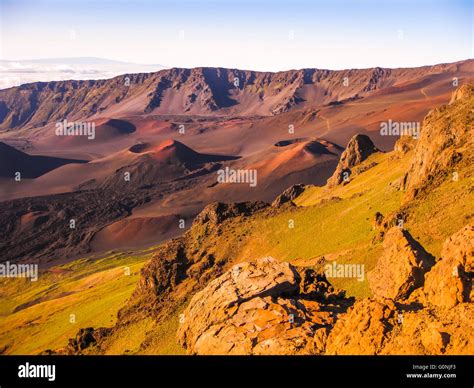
<point x="166" y="371"/>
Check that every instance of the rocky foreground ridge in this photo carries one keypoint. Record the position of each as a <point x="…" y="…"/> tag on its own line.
<point x="269" y="307"/>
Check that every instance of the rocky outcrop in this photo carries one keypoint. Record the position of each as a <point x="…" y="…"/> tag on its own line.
<point x="431" y="331"/>
<point x="404" y="145"/>
<point x="179" y="268"/>
<point x="450" y="281"/>
<point x="363" y="329"/>
<point x="436" y="319"/>
<point x="85" y="339"/>
<point x="464" y="92"/>
<point x="217" y="212"/>
<point x="360" y="147"/>
<point x="159" y="279"/>
<point x="401" y="268"/>
<point x="380" y="326"/>
<point x="182" y="265"/>
<point x="270" y="307"/>
<point x="265" y="307"/>
<point x="289" y="195"/>
<point x="446" y="144"/>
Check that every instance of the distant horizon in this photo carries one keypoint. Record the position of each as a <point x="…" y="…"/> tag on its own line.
<point x="165" y="66"/>
<point x="260" y="35"/>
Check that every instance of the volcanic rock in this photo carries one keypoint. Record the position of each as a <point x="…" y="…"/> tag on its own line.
<point x="360" y="147"/>
<point x="450" y="281"/>
<point x="446" y="141"/>
<point x="362" y="330"/>
<point x="401" y="268"/>
<point x="404" y="144"/>
<point x="86" y="338"/>
<point x="431" y="331"/>
<point x="218" y="212"/>
<point x="289" y="195"/>
<point x="259" y="308"/>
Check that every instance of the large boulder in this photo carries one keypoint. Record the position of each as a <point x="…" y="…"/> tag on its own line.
<point x="401" y="268"/>
<point x="360" y="147"/>
<point x="450" y="281"/>
<point x="264" y="307"/>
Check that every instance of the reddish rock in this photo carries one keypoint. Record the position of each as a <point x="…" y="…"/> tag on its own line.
<point x="363" y="329"/>
<point x="265" y="307"/>
<point x="445" y="144"/>
<point x="360" y="147"/>
<point x="401" y="267"/>
<point x="450" y="281"/>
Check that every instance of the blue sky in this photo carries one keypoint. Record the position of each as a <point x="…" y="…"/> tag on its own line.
<point x="258" y="35"/>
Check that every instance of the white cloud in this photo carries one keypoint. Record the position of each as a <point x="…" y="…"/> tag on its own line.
<point x="14" y="73"/>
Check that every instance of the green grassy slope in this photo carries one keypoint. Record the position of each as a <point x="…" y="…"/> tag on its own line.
<point x="91" y="290"/>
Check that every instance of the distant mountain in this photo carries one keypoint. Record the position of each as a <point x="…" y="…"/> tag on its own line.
<point x="210" y="91"/>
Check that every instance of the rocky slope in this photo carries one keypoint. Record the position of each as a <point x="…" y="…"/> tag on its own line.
<point x="288" y="195"/>
<point x="260" y="308"/>
<point x="419" y="323"/>
<point x="457" y="258"/>
<point x="445" y="145"/>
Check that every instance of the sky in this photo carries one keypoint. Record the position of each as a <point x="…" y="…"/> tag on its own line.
<point x="255" y="35"/>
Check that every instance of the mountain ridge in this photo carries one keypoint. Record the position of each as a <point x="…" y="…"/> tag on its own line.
<point x="204" y="91"/>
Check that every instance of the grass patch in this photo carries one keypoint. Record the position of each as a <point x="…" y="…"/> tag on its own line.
<point x="90" y="290"/>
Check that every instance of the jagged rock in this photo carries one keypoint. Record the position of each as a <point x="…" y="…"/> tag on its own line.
<point x="378" y="219"/>
<point x="175" y="263"/>
<point x="362" y="330"/>
<point x="450" y="281"/>
<point x="165" y="269"/>
<point x="464" y="92"/>
<point x="360" y="147"/>
<point x="431" y="331"/>
<point x="380" y="326"/>
<point x="446" y="141"/>
<point x="404" y="144"/>
<point x="218" y="212"/>
<point x="167" y="278"/>
<point x="378" y="223"/>
<point x="401" y="268"/>
<point x="260" y="308"/>
<point x="289" y="195"/>
<point x="86" y="338"/>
